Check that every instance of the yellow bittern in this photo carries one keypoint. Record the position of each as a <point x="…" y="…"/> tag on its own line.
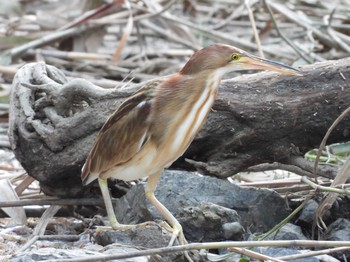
<point x="154" y="127"/>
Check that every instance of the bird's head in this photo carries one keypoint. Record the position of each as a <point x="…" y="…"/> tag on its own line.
<point x="225" y="58"/>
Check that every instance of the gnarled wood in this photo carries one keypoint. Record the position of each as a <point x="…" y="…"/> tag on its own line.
<point x="258" y="118"/>
<point x="269" y="118"/>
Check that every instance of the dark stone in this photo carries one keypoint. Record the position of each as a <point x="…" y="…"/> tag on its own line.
<point x="280" y="252"/>
<point x="150" y="236"/>
<point x="144" y="237"/>
<point x="289" y="232"/>
<point x="214" y="202"/>
<point x="341" y="208"/>
<point x="209" y="222"/>
<point x="307" y="215"/>
<point x="339" y="230"/>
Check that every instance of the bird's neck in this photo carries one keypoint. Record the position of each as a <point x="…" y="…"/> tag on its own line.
<point x="184" y="91"/>
<point x="182" y="106"/>
<point x="192" y="83"/>
<point x="201" y="82"/>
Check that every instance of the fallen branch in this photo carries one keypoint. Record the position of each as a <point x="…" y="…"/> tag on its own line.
<point x="255" y="120"/>
<point x="40" y="228"/>
<point x="315" y="253"/>
<point x="212" y="245"/>
<point x="59" y="35"/>
<point x="55" y="201"/>
<point x="326" y="188"/>
<point x="242" y="251"/>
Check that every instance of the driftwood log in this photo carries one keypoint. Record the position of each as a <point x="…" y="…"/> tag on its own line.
<point x="260" y="118"/>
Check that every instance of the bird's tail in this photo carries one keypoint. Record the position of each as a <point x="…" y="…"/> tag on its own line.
<point x="86" y="176"/>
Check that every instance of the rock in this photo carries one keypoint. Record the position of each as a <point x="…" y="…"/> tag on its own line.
<point x="339" y="230"/>
<point x="307" y="215"/>
<point x="288" y="232"/>
<point x="209" y="222"/>
<point x="281" y="251"/>
<point x="213" y="202"/>
<point x="327" y="258"/>
<point x="115" y="249"/>
<point x="231" y="230"/>
<point x="60" y="254"/>
<point x="150" y="236"/>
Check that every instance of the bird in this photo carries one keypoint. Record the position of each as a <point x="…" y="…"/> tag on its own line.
<point x="154" y="126"/>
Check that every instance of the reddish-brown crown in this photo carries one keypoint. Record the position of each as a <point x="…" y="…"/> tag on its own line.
<point x="209" y="58"/>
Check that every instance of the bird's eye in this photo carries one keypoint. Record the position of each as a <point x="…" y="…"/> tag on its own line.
<point x="235" y="56"/>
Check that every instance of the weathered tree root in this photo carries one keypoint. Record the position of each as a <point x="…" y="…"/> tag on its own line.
<point x="261" y="118"/>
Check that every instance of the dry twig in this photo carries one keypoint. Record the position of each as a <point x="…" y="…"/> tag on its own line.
<point x="213" y="245"/>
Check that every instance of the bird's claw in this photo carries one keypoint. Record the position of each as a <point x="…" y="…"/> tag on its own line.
<point x="177" y="233"/>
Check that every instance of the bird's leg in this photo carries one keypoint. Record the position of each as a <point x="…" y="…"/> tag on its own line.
<point x="110" y="210"/>
<point x="108" y="203"/>
<point x="176" y="227"/>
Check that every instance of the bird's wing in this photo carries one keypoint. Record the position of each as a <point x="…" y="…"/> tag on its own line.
<point x="123" y="135"/>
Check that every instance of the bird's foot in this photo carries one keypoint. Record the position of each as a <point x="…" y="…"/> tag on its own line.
<point x="177" y="233"/>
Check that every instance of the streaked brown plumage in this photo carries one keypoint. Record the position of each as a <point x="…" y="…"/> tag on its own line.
<point x="154" y="127"/>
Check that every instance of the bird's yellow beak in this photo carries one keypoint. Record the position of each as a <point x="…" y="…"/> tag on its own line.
<point x="249" y="61"/>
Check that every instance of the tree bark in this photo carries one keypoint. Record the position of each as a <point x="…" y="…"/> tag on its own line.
<point x="265" y="118"/>
<point x="260" y="118"/>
